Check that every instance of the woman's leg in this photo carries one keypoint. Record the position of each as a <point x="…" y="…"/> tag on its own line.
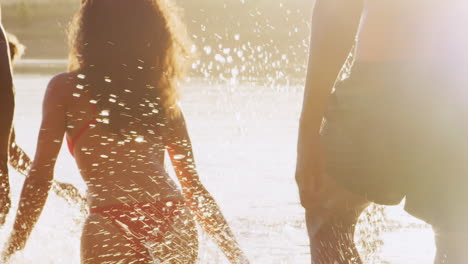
<point x="103" y="243"/>
<point x="180" y="242"/>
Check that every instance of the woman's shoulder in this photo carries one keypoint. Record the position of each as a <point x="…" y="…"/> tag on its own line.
<point x="63" y="80"/>
<point x="61" y="85"/>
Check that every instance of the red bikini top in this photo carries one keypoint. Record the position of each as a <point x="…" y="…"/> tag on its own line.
<point x="71" y="142"/>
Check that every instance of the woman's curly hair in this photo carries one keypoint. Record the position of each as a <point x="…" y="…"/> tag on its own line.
<point x="130" y="55"/>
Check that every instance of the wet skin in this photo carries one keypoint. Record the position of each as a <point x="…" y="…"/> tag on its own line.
<point x="120" y="170"/>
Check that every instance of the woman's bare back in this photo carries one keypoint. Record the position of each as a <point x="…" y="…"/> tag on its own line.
<point x="116" y="168"/>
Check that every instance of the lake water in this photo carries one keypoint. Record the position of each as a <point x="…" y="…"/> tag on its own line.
<point x="244" y="138"/>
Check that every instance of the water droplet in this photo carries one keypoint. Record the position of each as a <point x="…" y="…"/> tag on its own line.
<point x="207" y="50"/>
<point x="220" y="58"/>
<point x="235" y="71"/>
<point x="179" y="156"/>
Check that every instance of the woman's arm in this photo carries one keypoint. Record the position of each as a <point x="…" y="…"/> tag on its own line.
<point x="39" y="180"/>
<point x="334" y="27"/>
<point x="21" y="162"/>
<point x="201" y="202"/>
<point x="7" y="106"/>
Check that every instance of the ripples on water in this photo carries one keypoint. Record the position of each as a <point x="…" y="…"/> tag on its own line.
<point x="244" y="138"/>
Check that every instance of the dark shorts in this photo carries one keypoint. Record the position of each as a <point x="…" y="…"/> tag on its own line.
<point x="395" y="131"/>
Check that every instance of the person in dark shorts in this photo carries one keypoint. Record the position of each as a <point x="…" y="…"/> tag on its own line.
<point x="384" y="119"/>
<point x="7" y="105"/>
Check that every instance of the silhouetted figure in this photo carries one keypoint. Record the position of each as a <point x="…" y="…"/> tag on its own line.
<point x="7" y="106"/>
<point x="394" y="128"/>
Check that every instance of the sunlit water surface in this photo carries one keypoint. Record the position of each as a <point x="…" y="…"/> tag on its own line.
<point x="244" y="137"/>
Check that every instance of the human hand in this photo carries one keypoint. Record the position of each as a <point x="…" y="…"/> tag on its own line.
<point x="238" y="257"/>
<point x="243" y="260"/>
<point x="15" y="243"/>
<point x="6" y="255"/>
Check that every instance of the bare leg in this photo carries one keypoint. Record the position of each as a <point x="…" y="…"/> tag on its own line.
<point x="331" y="225"/>
<point x="180" y="245"/>
<point x="332" y="240"/>
<point x="103" y="243"/>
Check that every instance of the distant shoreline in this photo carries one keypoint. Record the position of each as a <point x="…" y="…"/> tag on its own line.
<point x="261" y="39"/>
<point x="40" y="66"/>
<point x="51" y="67"/>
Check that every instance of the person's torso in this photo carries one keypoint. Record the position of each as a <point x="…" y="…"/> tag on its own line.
<point x="116" y="168"/>
<point x="414" y="30"/>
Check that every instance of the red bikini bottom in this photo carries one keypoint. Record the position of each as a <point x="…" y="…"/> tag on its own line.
<point x="143" y="224"/>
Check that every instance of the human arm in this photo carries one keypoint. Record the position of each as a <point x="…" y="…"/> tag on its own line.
<point x="202" y="204"/>
<point x="21" y="162"/>
<point x="334" y="27"/>
<point x="18" y="158"/>
<point x="39" y="181"/>
<point x="7" y="105"/>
